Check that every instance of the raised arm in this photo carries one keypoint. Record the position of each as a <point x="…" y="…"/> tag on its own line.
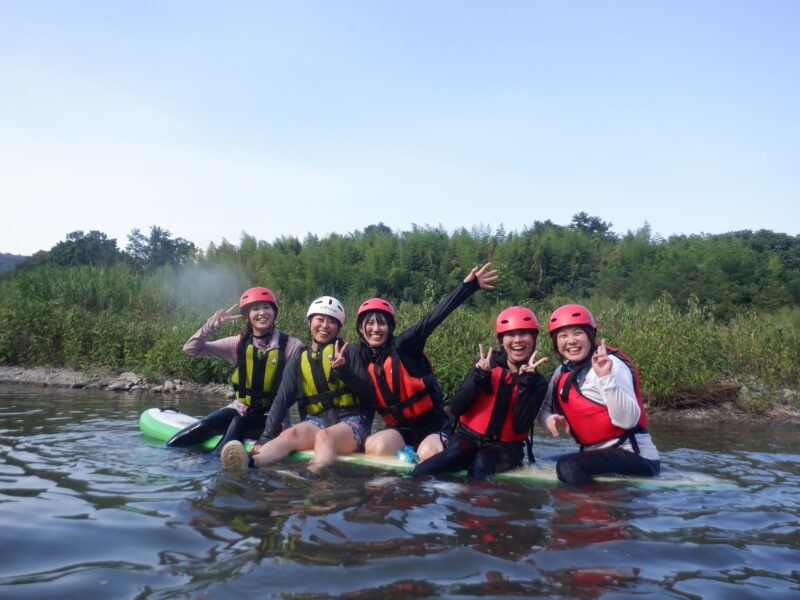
<point x="199" y="346"/>
<point x="476" y="279"/>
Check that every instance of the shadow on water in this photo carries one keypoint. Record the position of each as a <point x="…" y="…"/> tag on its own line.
<point x="91" y="509"/>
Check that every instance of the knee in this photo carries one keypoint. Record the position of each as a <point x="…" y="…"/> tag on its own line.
<point x="323" y="438"/>
<point x="376" y="444"/>
<point x="569" y="471"/>
<point x="373" y="446"/>
<point x="430" y="446"/>
<point x="480" y="467"/>
<point x="425" y="451"/>
<point x="288" y="435"/>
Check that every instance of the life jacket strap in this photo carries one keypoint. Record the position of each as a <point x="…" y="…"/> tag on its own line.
<point x="326" y="398"/>
<point x="256" y="389"/>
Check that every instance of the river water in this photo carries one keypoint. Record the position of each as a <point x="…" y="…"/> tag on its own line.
<point x="91" y="509"/>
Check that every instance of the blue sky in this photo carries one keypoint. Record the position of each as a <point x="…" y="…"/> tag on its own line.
<point x="286" y="118"/>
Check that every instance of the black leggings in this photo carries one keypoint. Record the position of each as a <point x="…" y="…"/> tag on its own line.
<point x="579" y="468"/>
<point x="479" y="460"/>
<point x="225" y="421"/>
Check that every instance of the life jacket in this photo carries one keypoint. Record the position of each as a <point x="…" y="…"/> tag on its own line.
<point x="401" y="397"/>
<point x="491" y="413"/>
<point x="322" y="389"/>
<point x="261" y="373"/>
<point x="590" y="422"/>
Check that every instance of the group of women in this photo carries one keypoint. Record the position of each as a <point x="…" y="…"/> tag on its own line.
<point x="338" y="387"/>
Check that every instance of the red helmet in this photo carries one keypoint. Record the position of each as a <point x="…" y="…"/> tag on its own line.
<point x="257" y="294"/>
<point x="376" y="304"/>
<point x="570" y="315"/>
<point x="516" y="317"/>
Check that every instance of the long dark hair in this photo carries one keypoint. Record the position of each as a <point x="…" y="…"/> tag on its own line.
<point x="368" y="353"/>
<point x="244" y="336"/>
<point x="247" y="330"/>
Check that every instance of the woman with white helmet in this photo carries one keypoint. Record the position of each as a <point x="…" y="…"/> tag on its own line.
<point x="333" y="419"/>
<point x="259" y="354"/>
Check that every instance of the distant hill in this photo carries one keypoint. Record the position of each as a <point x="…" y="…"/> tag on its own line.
<point x="7" y="261"/>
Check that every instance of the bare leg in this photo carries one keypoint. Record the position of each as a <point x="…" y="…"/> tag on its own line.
<point x="330" y="442"/>
<point x="431" y="445"/>
<point x="297" y="437"/>
<point x="386" y="442"/>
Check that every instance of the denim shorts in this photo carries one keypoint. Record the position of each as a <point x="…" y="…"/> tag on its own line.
<point x="354" y="422"/>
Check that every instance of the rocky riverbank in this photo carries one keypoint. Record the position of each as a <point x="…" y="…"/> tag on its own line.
<point x="740" y="402"/>
<point x="115" y="382"/>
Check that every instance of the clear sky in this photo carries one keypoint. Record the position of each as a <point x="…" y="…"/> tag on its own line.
<point x="210" y="119"/>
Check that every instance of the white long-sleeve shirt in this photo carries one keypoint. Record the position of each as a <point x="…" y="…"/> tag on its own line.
<point x="615" y="391"/>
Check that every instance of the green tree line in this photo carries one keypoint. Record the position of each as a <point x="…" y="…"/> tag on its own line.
<point x="693" y="310"/>
<point x="726" y="273"/>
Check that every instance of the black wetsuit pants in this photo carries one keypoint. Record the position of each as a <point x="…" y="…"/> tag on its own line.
<point x="479" y="459"/>
<point x="225" y="421"/>
<point x="579" y="468"/>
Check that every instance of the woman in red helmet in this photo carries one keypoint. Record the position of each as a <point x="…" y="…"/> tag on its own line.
<point x="496" y="404"/>
<point x="405" y="390"/>
<point x="594" y="395"/>
<point x="259" y="353"/>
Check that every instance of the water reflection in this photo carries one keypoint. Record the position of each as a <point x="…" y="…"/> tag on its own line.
<point x="89" y="506"/>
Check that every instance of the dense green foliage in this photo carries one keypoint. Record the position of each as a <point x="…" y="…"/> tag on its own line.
<point x="725" y="273"/>
<point x="692" y="311"/>
<point x="96" y="249"/>
<point x="7" y="261"/>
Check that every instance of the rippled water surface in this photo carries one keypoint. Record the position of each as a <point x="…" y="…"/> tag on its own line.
<point x="91" y="509"/>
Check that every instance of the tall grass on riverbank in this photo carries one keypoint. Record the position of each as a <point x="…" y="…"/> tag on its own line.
<point x="86" y="317"/>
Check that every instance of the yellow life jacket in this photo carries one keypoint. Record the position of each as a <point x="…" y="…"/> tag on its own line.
<point x="261" y="371"/>
<point x="322" y="389"/>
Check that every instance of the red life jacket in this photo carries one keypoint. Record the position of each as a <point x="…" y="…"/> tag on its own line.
<point x="401" y="397"/>
<point x="588" y="421"/>
<point x="491" y="413"/>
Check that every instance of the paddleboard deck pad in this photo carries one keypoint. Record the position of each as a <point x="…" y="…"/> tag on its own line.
<point x="162" y="424"/>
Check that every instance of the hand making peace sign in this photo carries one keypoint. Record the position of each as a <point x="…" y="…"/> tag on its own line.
<point x="600" y="361"/>
<point x="338" y="354"/>
<point x="484" y="362"/>
<point x="222" y="316"/>
<point x="531" y="365"/>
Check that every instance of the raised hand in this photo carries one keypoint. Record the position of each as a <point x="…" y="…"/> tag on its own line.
<point x="484" y="362"/>
<point x="601" y="363"/>
<point x="531" y="365"/>
<point x="483" y="276"/>
<point x="222" y="316"/>
<point x="338" y="354"/>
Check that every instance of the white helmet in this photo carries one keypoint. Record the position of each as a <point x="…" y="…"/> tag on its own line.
<point x="329" y="306"/>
